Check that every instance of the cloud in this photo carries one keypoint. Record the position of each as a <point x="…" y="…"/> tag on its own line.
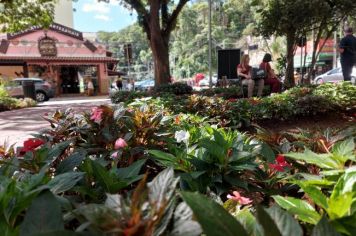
<point x="99" y="7"/>
<point x="102" y="17"/>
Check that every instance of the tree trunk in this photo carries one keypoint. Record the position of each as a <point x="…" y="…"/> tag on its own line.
<point x="159" y="44"/>
<point x="289" y="77"/>
<point x="160" y="54"/>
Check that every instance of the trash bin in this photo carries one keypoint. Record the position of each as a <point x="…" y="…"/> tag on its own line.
<point x="29" y="89"/>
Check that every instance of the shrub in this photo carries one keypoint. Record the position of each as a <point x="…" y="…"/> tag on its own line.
<point x="175" y="88"/>
<point x="126" y="96"/>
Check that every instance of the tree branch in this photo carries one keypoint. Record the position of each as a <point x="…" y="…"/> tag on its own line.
<point x="172" y="21"/>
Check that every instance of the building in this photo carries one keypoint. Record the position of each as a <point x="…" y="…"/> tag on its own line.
<point x="63" y="13"/>
<point x="59" y="55"/>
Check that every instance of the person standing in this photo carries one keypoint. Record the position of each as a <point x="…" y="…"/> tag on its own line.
<point x="347" y="49"/>
<point x="244" y="71"/>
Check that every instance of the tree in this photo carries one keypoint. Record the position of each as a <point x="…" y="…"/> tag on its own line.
<point x="296" y="18"/>
<point x="158" y="18"/>
<point x="16" y="15"/>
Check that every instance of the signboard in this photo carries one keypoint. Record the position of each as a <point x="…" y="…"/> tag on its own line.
<point x="55" y="27"/>
<point x="47" y="47"/>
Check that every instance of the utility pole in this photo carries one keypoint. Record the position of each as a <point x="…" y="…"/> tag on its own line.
<point x="209" y="36"/>
<point x="335" y="50"/>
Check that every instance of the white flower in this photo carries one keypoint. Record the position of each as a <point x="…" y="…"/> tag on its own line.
<point x="182" y="136"/>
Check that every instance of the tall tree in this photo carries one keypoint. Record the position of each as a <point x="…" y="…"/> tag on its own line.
<point x="158" y="18"/>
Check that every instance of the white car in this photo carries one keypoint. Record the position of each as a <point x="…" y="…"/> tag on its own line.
<point x="205" y="81"/>
<point x="334" y="76"/>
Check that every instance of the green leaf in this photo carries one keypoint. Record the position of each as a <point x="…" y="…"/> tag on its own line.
<point x="107" y="181"/>
<point x="71" y="162"/>
<point x="248" y="221"/>
<point x="321" y="160"/>
<point x="57" y="150"/>
<point x="345" y="150"/>
<point x="162" y="187"/>
<point x="183" y="225"/>
<point x="165" y="159"/>
<point x="131" y="171"/>
<point x="304" y="211"/>
<point x="286" y="224"/>
<point x="267" y="223"/>
<point x="340" y="205"/>
<point x="314" y="193"/>
<point x="324" y="228"/>
<point x="43" y="215"/>
<point x="267" y="153"/>
<point x="63" y="182"/>
<point x="213" y="218"/>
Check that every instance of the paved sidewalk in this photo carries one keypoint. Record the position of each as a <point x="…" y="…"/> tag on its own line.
<point x="18" y="125"/>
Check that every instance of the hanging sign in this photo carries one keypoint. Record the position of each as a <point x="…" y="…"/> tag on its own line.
<point x="47" y="47"/>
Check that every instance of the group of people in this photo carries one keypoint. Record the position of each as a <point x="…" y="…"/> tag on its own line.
<point x="244" y="71"/>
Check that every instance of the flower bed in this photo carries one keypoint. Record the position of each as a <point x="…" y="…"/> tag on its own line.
<point x="154" y="168"/>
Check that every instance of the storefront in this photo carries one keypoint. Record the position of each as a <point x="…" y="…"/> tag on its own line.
<point x="59" y="55"/>
<point x="324" y="60"/>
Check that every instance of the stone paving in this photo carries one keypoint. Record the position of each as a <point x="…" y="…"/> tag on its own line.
<point x="18" y="125"/>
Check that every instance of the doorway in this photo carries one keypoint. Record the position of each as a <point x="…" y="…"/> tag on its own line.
<point x="69" y="80"/>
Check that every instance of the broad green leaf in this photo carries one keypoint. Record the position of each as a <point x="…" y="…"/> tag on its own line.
<point x="165" y="159"/>
<point x="43" y="215"/>
<point x="340" y="205"/>
<point x="321" y="160"/>
<point x="346" y="183"/>
<point x="107" y="181"/>
<point x="71" y="162"/>
<point x="315" y="194"/>
<point x="269" y="226"/>
<point x="57" y="150"/>
<point x="286" y="224"/>
<point x="183" y="225"/>
<point x="212" y="217"/>
<point x="249" y="222"/>
<point x="268" y="153"/>
<point x="324" y="228"/>
<point x="162" y="187"/>
<point x="63" y="182"/>
<point x="303" y="210"/>
<point x="131" y="171"/>
<point x="345" y="150"/>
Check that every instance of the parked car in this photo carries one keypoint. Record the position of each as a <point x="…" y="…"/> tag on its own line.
<point x="205" y="81"/>
<point x="144" y="85"/>
<point x="334" y="75"/>
<point x="43" y="89"/>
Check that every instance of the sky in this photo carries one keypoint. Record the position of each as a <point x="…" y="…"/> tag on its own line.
<point x="93" y="16"/>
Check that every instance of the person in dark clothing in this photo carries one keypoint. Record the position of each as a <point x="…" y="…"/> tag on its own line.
<point x="347" y="50"/>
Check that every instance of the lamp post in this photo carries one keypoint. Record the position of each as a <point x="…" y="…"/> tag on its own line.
<point x="209" y="38"/>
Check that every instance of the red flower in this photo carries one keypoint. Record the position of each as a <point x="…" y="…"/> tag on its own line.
<point x="30" y="145"/>
<point x="232" y="100"/>
<point x="96" y="114"/>
<point x="279" y="164"/>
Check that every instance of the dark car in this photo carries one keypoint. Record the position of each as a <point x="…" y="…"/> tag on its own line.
<point x="43" y="89"/>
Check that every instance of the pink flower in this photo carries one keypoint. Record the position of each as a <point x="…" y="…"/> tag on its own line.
<point x="96" y="114"/>
<point x="279" y="164"/>
<point x="238" y="198"/>
<point x="120" y="143"/>
<point x="114" y="155"/>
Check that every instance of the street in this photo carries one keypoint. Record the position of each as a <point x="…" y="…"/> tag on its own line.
<point x="18" y="125"/>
